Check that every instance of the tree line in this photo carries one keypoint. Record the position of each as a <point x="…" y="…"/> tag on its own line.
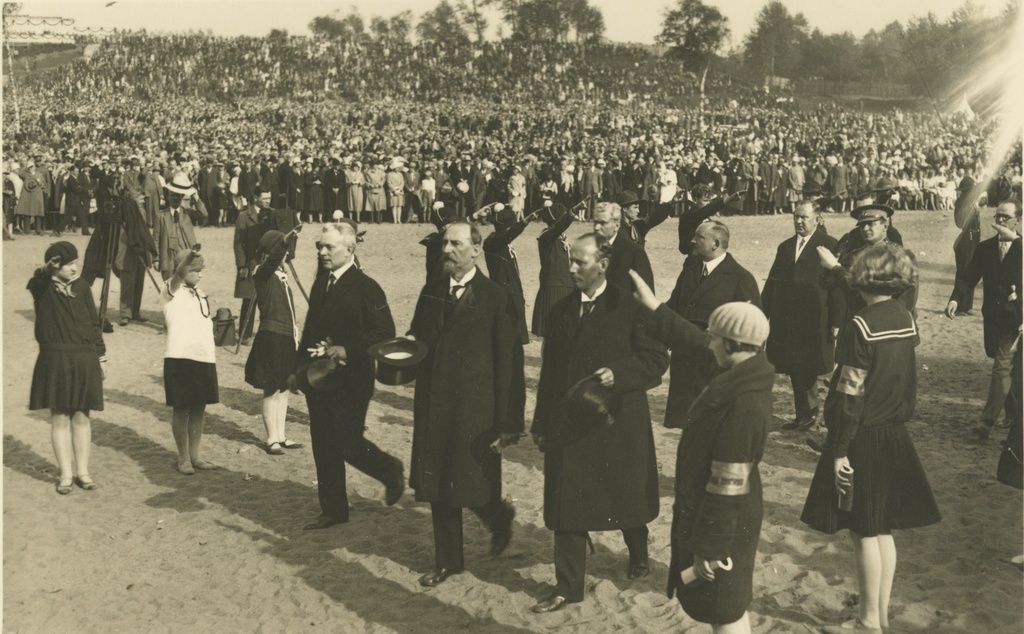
<point x="927" y="54"/>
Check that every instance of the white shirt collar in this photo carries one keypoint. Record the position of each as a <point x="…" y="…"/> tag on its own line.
<point x="452" y="282"/>
<point x="337" y="273"/>
<point x="711" y="265"/>
<point x="600" y="289"/>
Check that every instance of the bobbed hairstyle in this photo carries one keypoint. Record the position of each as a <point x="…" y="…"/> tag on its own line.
<point x="883" y="269"/>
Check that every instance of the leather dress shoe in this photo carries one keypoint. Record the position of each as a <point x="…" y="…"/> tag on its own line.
<point x="802" y="424"/>
<point x="324" y="521"/>
<point x="983" y="429"/>
<point x="639" y="569"/>
<point x="502" y="535"/>
<point x="552" y="604"/>
<point x="437" y="577"/>
<point x="395" y="488"/>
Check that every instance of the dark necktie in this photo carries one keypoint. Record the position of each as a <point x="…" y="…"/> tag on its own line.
<point x="704" y="272"/>
<point x="330" y="285"/>
<point x="453" y="298"/>
<point x="175" y="214"/>
<point x="588" y="308"/>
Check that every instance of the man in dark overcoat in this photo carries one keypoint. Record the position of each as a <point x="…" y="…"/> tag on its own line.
<point x="997" y="264"/>
<point x="802" y="314"/>
<point x="462" y="417"/>
<point x="348" y="313"/>
<point x="605" y="477"/>
<point x="710" y="277"/>
<point x="626" y="254"/>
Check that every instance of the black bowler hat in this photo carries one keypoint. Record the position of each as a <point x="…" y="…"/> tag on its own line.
<point x="587" y="405"/>
<point x="397" y="359"/>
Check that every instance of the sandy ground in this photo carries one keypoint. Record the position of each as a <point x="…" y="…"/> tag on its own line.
<point x="155" y="551"/>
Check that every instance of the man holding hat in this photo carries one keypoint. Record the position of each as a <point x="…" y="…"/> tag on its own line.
<point x="462" y="416"/>
<point x="597" y="477"/>
<point x="348" y="313"/>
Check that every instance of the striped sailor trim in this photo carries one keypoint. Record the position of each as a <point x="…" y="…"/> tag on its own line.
<point x="729" y="478"/>
<point x="883" y="335"/>
<point x="851" y="381"/>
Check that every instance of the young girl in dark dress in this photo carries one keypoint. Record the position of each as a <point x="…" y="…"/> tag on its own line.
<point x="271" y="361"/>
<point x="68" y="376"/>
<point x="190" y="365"/>
<point x="872" y="395"/>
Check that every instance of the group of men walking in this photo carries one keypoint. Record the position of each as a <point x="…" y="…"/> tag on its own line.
<point x="470" y="387"/>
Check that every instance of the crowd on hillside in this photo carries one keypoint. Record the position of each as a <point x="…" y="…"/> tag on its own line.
<point x="329" y="120"/>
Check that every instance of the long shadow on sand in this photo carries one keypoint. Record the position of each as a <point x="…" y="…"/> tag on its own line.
<point x="341" y="580"/>
<point x="348" y="583"/>
<point x="23" y="459"/>
<point x="216" y="425"/>
<point x="250" y="403"/>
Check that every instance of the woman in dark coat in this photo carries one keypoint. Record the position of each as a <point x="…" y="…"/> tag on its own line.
<point x="872" y="395"/>
<point x="718" y="508"/>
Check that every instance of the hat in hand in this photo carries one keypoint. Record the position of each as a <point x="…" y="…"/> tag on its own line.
<point x="587" y="405"/>
<point x="397" y="359"/>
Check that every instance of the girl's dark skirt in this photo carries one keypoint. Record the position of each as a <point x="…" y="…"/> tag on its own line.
<point x="67" y="377"/>
<point x="890" y="488"/>
<point x="271" y="361"/>
<point x="546" y="298"/>
<point x="189" y="383"/>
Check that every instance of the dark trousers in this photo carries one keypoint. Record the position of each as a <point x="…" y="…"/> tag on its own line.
<point x="336" y="428"/>
<point x="132" y="282"/>
<point x="447" y="521"/>
<point x="70" y="215"/>
<point x="571" y="558"/>
<point x="805" y="393"/>
<point x="247" y="318"/>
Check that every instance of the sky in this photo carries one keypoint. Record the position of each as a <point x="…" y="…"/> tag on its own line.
<point x="626" y="20"/>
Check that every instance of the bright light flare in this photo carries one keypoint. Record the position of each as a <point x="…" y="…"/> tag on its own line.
<point x="1000" y="75"/>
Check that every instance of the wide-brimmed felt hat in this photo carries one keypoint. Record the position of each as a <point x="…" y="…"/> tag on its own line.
<point x="397" y="359"/>
<point x="180" y="184"/>
<point x="317" y="375"/>
<point x="867" y="213"/>
<point x="626" y="198"/>
<point x="884" y="185"/>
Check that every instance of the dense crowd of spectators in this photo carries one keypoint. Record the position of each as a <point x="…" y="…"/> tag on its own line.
<point x="328" y="119"/>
